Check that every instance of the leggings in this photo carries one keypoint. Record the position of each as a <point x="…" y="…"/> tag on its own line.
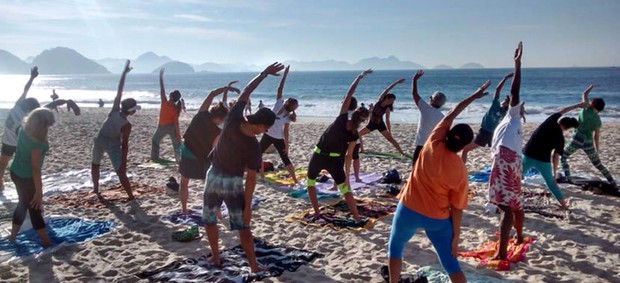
<point x="279" y="144"/>
<point x="439" y="231"/>
<point x="25" y="192"/>
<point x="579" y="142"/>
<point x="547" y="173"/>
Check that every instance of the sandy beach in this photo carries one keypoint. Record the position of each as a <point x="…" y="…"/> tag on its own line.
<point x="585" y="248"/>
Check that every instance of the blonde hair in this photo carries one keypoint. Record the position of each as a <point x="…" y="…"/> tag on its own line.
<point x="37" y="123"/>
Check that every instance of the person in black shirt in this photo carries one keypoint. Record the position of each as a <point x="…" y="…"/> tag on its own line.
<point x="334" y="151"/>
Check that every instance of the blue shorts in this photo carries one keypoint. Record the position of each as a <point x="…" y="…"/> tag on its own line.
<point x="223" y="188"/>
<point x="404" y="225"/>
<point x="114" y="152"/>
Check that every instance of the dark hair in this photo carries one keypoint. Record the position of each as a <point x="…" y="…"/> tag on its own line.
<point x="569" y="122"/>
<point x="358" y="116"/>
<point x="390" y="96"/>
<point x="352" y="103"/>
<point x="29" y="104"/>
<point x="219" y="111"/>
<point x="458" y="137"/>
<point x="175" y="95"/>
<point x="598" y="104"/>
<point x="127" y="104"/>
<point x="263" y="116"/>
<point x="290" y="102"/>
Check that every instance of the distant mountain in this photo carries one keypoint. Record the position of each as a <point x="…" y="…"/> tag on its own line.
<point x="224" y="68"/>
<point x="175" y="67"/>
<point x="62" y="60"/>
<point x="389" y="63"/>
<point x="147" y="62"/>
<point x="328" y="65"/>
<point x="443" y="67"/>
<point x="472" y="66"/>
<point x="29" y="59"/>
<point x="114" y="65"/>
<point x="11" y="64"/>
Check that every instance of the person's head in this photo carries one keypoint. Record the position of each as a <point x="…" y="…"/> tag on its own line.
<point x="358" y="117"/>
<point x="37" y="123"/>
<point x="438" y="99"/>
<point x="567" y="123"/>
<point x="29" y="104"/>
<point x="388" y="99"/>
<point x="598" y="104"/>
<point x="505" y="103"/>
<point x="290" y="104"/>
<point x="261" y="121"/>
<point x="352" y="103"/>
<point x="175" y="96"/>
<point x="129" y="106"/>
<point x="218" y="113"/>
<point x="458" y="137"/>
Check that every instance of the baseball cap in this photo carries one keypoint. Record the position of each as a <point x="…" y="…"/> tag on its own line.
<point x="263" y="116"/>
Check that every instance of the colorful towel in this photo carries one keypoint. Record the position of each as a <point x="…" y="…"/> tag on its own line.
<point x="283" y="178"/>
<point x="516" y="254"/>
<point x="390" y="155"/>
<point x="106" y="196"/>
<point x="60" y="230"/>
<point x="325" y="189"/>
<point x="194" y="216"/>
<point x="338" y="217"/>
<point x="234" y="267"/>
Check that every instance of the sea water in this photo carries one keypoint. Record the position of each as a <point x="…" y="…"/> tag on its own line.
<point x="544" y="90"/>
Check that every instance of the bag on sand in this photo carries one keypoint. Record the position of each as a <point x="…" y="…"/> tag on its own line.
<point x="391" y="177"/>
<point x="268" y="166"/>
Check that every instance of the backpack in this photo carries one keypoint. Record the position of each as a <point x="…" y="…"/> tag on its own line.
<point x="391" y="177"/>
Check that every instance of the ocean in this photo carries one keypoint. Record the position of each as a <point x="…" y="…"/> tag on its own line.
<point x="544" y="90"/>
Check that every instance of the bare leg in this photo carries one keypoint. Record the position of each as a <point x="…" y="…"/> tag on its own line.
<point x="458" y="277"/>
<point x="14" y="231"/>
<point x="184" y="194"/>
<point x="94" y="173"/>
<point x="356" y="170"/>
<point x="364" y="131"/>
<point x="467" y="149"/>
<point x="247" y="243"/>
<point x="291" y="170"/>
<point x="213" y="237"/>
<point x="395" y="267"/>
<point x="45" y="240"/>
<point x="391" y="139"/>
<point x="507" y="220"/>
<point x="519" y="219"/>
<point x="4" y="162"/>
<point x="313" y="199"/>
<point x="122" y="176"/>
<point x="348" y="197"/>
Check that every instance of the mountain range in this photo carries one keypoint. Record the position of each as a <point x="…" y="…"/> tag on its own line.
<point x="63" y="60"/>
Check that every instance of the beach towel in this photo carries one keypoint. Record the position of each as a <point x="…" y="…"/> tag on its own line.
<point x="158" y="164"/>
<point x="601" y="188"/>
<point x="542" y="203"/>
<point x="106" y="196"/>
<point x="325" y="189"/>
<point x="61" y="230"/>
<point x="387" y="155"/>
<point x="194" y="214"/>
<point x="283" y="178"/>
<point x="483" y="175"/>
<point x="277" y="259"/>
<point x="338" y="217"/>
<point x="436" y="274"/>
<point x="516" y="253"/>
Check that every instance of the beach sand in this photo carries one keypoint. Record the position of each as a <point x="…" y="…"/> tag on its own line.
<point x="584" y="249"/>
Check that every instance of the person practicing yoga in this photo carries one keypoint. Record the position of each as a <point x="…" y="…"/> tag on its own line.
<point x="334" y="151"/>
<point x="383" y="107"/>
<point x="587" y="136"/>
<point x="32" y="145"/>
<point x="113" y="137"/>
<point x="436" y="194"/>
<point x="490" y="120"/>
<point x="168" y="124"/>
<point x="430" y="114"/>
<point x="237" y="152"/>
<point x="278" y="134"/>
<point x="506" y="170"/>
<point x="200" y="137"/>
<point x="548" y="138"/>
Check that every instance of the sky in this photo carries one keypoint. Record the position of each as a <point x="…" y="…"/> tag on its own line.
<point x="556" y="33"/>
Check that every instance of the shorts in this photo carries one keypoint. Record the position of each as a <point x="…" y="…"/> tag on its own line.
<point x="334" y="165"/>
<point x="279" y="144"/>
<point x="505" y="179"/>
<point x="8" y="150"/>
<point x="228" y="189"/>
<point x="377" y="126"/>
<point x="191" y="167"/>
<point x="483" y="138"/>
<point x="356" y="152"/>
<point x="114" y="152"/>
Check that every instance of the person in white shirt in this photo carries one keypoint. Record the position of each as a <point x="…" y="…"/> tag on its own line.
<point x="430" y="115"/>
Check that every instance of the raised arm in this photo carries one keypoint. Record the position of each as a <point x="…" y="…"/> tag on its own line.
<point x="207" y="102"/>
<point x="584" y="96"/>
<point x="516" y="81"/>
<point x="121" y="84"/>
<point x="272" y="69"/>
<point x="347" y="99"/>
<point x="414" y="86"/>
<point x="282" y="81"/>
<point x="34" y="72"/>
<point x="162" y="89"/>
<point x="573" y="107"/>
<point x="499" y="87"/>
<point x="479" y="93"/>
<point x="390" y="87"/>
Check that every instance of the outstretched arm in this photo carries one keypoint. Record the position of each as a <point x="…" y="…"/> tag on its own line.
<point x="282" y="81"/>
<point x="414" y="86"/>
<point x="34" y="72"/>
<point x="516" y="81"/>
<point x="162" y="89"/>
<point x="272" y="69"/>
<point x="207" y="102"/>
<point x="584" y="96"/>
<point x="479" y="93"/>
<point x="499" y="87"/>
<point x="347" y="99"/>
<point x="573" y="107"/>
<point x="121" y="84"/>
<point x="390" y="87"/>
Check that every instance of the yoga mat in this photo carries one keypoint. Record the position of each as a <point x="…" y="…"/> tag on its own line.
<point x="392" y="155"/>
<point x="194" y="216"/>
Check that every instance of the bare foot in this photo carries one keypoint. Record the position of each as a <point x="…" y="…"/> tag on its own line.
<point x="12" y="238"/>
<point x="217" y="262"/>
<point x="519" y="240"/>
<point x="358" y="180"/>
<point x="498" y="257"/>
<point x="258" y="268"/>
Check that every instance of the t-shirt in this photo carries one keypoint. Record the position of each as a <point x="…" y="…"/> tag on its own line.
<point x="349" y="114"/>
<point x="547" y="137"/>
<point x="11" y="125"/>
<point x="167" y="114"/>
<point x="200" y="134"/>
<point x="588" y="122"/>
<point x="22" y="162"/>
<point x="508" y="133"/>
<point x="277" y="129"/>
<point x="236" y="151"/>
<point x="336" y="138"/>
<point x="429" y="117"/>
<point x="438" y="180"/>
<point x="493" y="116"/>
<point x="110" y="132"/>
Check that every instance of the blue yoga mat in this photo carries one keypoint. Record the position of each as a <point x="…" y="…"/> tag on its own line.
<point x="60" y="230"/>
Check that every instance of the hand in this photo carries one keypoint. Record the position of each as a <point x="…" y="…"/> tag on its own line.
<point x="519" y="52"/>
<point x="161" y="72"/>
<point x="127" y="68"/>
<point x="286" y="70"/>
<point x="273" y="69"/>
<point x="588" y="90"/>
<point x="232" y="83"/>
<point x="34" y="72"/>
<point x="480" y="92"/>
<point x="365" y="73"/>
<point x="233" y="89"/>
<point x="418" y="75"/>
<point x="400" y="81"/>
<point x="37" y="200"/>
<point x="455" y="246"/>
<point x="509" y="76"/>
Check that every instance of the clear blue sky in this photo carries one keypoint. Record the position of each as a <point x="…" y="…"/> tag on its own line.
<point x="556" y="33"/>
